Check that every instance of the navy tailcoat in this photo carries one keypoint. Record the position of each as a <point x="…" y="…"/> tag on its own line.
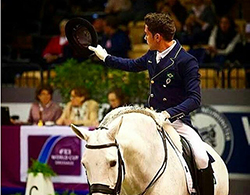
<point x="174" y="81"/>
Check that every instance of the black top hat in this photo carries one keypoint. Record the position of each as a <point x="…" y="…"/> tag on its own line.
<point x="81" y="34"/>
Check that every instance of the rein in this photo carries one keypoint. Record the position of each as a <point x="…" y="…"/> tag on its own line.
<point x="164" y="164"/>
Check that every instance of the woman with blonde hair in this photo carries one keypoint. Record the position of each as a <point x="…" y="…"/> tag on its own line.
<point x="81" y="110"/>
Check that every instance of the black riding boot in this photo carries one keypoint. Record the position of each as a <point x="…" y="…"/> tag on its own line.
<point x="206" y="181"/>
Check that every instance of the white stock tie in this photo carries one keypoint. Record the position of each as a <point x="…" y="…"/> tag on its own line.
<point x="158" y="58"/>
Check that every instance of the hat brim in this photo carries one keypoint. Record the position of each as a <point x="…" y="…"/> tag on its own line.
<point x="81" y="34"/>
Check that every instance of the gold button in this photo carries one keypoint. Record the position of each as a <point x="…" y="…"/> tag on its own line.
<point x="151" y="95"/>
<point x="152" y="81"/>
<point x="164" y="99"/>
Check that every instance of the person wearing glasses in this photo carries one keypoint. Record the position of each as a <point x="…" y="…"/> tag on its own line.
<point x="116" y="98"/>
<point x="174" y="85"/>
<point x="44" y="110"/>
<point x="81" y="110"/>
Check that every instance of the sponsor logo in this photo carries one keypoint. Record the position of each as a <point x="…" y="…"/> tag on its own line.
<point x="62" y="153"/>
<point x="215" y="130"/>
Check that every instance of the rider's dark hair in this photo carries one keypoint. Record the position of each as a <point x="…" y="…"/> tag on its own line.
<point x="161" y="23"/>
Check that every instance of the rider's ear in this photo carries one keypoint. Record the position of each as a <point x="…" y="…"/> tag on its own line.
<point x="115" y="129"/>
<point x="81" y="133"/>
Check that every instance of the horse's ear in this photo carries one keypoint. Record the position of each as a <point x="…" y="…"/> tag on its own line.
<point x="115" y="129"/>
<point x="81" y="133"/>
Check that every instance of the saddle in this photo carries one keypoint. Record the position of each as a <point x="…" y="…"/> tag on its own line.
<point x="188" y="156"/>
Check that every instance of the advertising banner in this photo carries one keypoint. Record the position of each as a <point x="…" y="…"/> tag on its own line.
<point x="58" y="147"/>
<point x="227" y="130"/>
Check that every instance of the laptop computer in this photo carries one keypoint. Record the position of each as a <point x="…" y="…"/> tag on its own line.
<point x="5" y="116"/>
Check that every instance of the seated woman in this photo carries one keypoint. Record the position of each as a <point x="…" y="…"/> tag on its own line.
<point x="223" y="40"/>
<point x="176" y="10"/>
<point x="116" y="99"/>
<point x="199" y="23"/>
<point x="81" y="110"/>
<point x="44" y="110"/>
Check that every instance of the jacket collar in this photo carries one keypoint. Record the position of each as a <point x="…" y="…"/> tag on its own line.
<point x="168" y="60"/>
<point x="174" y="52"/>
<point x="165" y="52"/>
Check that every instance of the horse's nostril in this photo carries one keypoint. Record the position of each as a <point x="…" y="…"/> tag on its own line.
<point x="112" y="163"/>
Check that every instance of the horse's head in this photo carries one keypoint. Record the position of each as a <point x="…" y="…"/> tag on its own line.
<point x="102" y="158"/>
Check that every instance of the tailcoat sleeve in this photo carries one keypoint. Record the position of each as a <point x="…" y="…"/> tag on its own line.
<point x="130" y="65"/>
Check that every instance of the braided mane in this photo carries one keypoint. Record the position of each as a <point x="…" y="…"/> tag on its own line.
<point x="126" y="110"/>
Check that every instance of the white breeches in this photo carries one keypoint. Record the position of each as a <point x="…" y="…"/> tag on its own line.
<point x="196" y="143"/>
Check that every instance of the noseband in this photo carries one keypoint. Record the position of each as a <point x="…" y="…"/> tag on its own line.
<point x="102" y="188"/>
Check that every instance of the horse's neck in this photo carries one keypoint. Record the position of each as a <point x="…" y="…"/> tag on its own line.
<point x="142" y="150"/>
<point x="143" y="154"/>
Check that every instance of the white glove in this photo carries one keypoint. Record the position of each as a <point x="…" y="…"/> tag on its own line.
<point x="163" y="116"/>
<point x="99" y="51"/>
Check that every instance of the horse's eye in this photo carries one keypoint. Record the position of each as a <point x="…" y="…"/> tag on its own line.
<point x="112" y="163"/>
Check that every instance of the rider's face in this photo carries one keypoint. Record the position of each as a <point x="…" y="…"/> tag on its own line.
<point x="150" y="38"/>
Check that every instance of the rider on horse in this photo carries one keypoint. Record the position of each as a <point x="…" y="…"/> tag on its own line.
<point x="174" y="85"/>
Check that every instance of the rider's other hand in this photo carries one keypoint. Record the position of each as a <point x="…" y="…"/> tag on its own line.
<point x="99" y="51"/>
<point x="162" y="118"/>
<point x="164" y="115"/>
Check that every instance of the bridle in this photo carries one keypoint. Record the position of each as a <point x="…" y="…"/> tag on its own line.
<point x="105" y="189"/>
<point x="102" y="188"/>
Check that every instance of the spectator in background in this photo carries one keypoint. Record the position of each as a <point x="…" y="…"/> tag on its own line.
<point x="115" y="40"/>
<point x="199" y="24"/>
<point x="115" y="7"/>
<point x="116" y="99"/>
<point x="81" y="110"/>
<point x="137" y="12"/>
<point x="177" y="11"/>
<point x="98" y="24"/>
<point x="223" y="39"/>
<point x="57" y="50"/>
<point x="44" y="109"/>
